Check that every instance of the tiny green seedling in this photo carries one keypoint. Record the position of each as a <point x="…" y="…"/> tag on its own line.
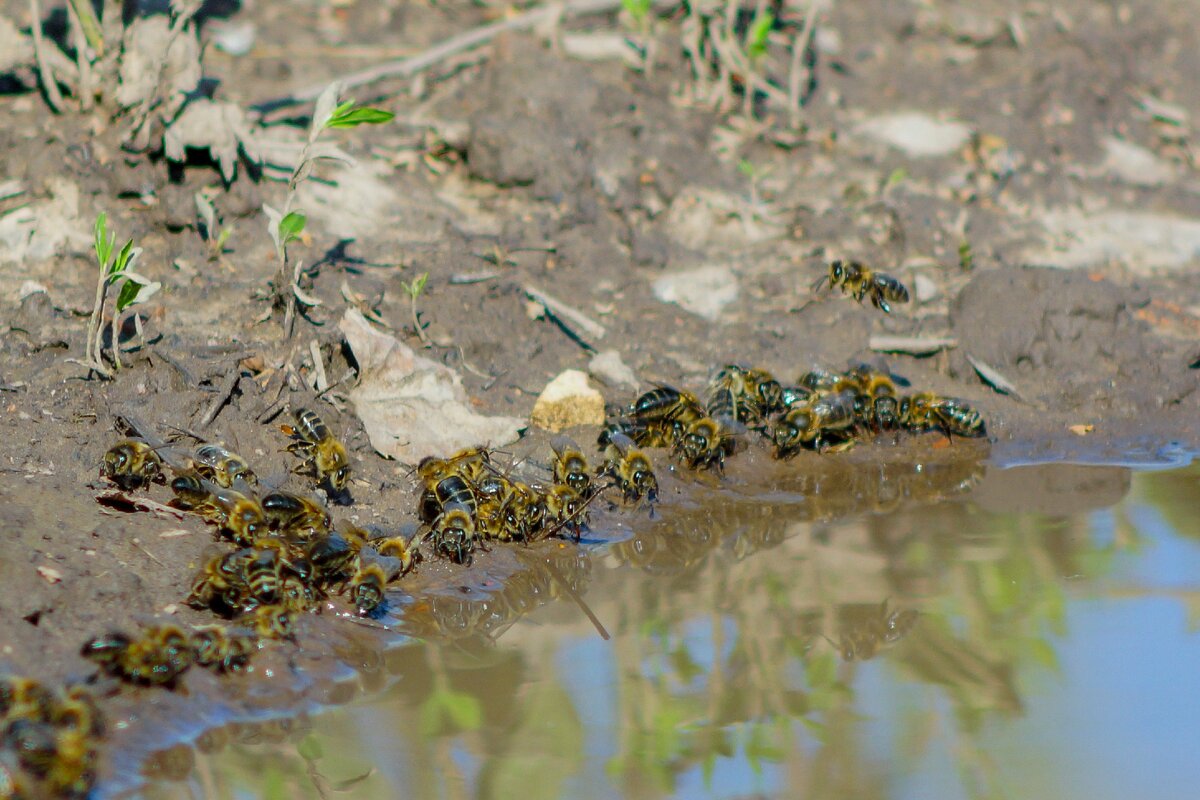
<point x="414" y="290"/>
<point x="287" y="225"/>
<point x="638" y="11"/>
<point x="756" y="36"/>
<point x="134" y="289"/>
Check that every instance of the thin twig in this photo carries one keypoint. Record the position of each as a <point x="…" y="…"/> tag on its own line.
<point x="83" y="42"/>
<point x="314" y="349"/>
<point x="88" y="25"/>
<point x="226" y="391"/>
<point x="799" y="48"/>
<point x="407" y="67"/>
<point x="564" y="311"/>
<point x="49" y="84"/>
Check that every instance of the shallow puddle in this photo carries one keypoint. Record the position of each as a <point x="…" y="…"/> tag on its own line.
<point x="880" y="631"/>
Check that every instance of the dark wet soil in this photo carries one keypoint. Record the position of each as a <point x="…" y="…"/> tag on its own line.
<point x="589" y="181"/>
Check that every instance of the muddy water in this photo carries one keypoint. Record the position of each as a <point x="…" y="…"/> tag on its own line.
<point x="877" y="632"/>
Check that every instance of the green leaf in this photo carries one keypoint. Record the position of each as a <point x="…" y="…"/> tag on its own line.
<point x="756" y="37"/>
<point x="746" y="168"/>
<point x="291" y="226"/>
<point x="122" y="260"/>
<point x="638" y="9"/>
<point x="346" y="116"/>
<point x="310" y="748"/>
<point x="104" y="242"/>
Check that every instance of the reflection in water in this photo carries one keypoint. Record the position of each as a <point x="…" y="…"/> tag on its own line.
<point x="884" y="635"/>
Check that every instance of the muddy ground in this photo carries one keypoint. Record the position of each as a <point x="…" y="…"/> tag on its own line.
<point x="1059" y="259"/>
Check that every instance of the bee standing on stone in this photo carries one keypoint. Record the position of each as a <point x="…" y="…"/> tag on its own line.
<point x="860" y="281"/>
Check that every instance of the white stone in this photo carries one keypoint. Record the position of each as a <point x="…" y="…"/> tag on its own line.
<point x="1141" y="240"/>
<point x="1134" y="164"/>
<point x="925" y="289"/>
<point x="608" y="367"/>
<point x="703" y="291"/>
<point x="918" y="135"/>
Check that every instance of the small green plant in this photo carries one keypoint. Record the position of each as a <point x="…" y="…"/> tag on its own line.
<point x="638" y="11"/>
<point x="286" y="225"/>
<point x="756" y="37"/>
<point x="414" y="290"/>
<point x="215" y="235"/>
<point x="134" y="288"/>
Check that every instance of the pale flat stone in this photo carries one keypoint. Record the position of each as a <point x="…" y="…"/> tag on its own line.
<point x="609" y="368"/>
<point x="918" y="135"/>
<point x="1142" y="241"/>
<point x="568" y="401"/>
<point x="703" y="291"/>
<point x="1134" y="164"/>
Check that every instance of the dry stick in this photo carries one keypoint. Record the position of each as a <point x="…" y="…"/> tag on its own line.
<point x="799" y="47"/>
<point x="226" y="391"/>
<point x="49" y="84"/>
<point x="407" y="67"/>
<point x="84" y="40"/>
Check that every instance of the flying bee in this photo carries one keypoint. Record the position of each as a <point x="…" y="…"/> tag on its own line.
<point x="158" y="658"/>
<point x="435" y="496"/>
<point x="367" y="589"/>
<point x="571" y="467"/>
<point x="705" y="444"/>
<point x="222" y="649"/>
<point x="453" y="534"/>
<point x="631" y="470"/>
<point x="295" y="516"/>
<point x="859" y="281"/>
<point x="239" y="515"/>
<point x="401" y="549"/>
<point x="223" y="467"/>
<point x="865" y="628"/>
<point x="132" y="464"/>
<point x="324" y="454"/>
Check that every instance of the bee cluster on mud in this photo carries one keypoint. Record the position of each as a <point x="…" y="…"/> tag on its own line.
<point x="282" y="555"/>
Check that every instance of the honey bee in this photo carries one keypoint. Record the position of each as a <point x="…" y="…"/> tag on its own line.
<point x="158" y="658"/>
<point x="295" y="516"/>
<point x="332" y="557"/>
<point x="644" y="434"/>
<point x="571" y="467"/>
<point x="221" y="582"/>
<point x="435" y="496"/>
<point x="239" y="515"/>
<point x="35" y="744"/>
<point x="705" y="444"/>
<point x="272" y="622"/>
<point x="631" y="469"/>
<point x="820" y="380"/>
<point x="865" y="628"/>
<point x="221" y="649"/>
<point x="73" y="769"/>
<point x="223" y="467"/>
<point x="367" y="589"/>
<point x="792" y="396"/>
<point x="324" y="454"/>
<point x="401" y="549"/>
<point x="25" y="697"/>
<point x="859" y="281"/>
<point x="468" y="464"/>
<point x="566" y="509"/>
<point x="953" y="417"/>
<point x="825" y="423"/>
<point x="669" y="409"/>
<point x="132" y="464"/>
<point x="76" y="710"/>
<point x="453" y="534"/>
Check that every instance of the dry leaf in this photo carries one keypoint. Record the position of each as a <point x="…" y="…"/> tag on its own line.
<point x="1081" y="430"/>
<point x="220" y="128"/>
<point x="410" y="406"/>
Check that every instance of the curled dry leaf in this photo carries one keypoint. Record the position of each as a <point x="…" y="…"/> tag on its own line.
<point x="220" y="128"/>
<point x="411" y="406"/>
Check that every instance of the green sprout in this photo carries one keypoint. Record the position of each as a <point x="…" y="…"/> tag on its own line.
<point x="756" y="36"/>
<point x="414" y="290"/>
<point x="134" y="288"/>
<point x="286" y="226"/>
<point x="638" y="10"/>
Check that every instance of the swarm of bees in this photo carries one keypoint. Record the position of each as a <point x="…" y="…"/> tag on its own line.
<point x="49" y="740"/>
<point x="824" y="411"/>
<point x="861" y="282"/>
